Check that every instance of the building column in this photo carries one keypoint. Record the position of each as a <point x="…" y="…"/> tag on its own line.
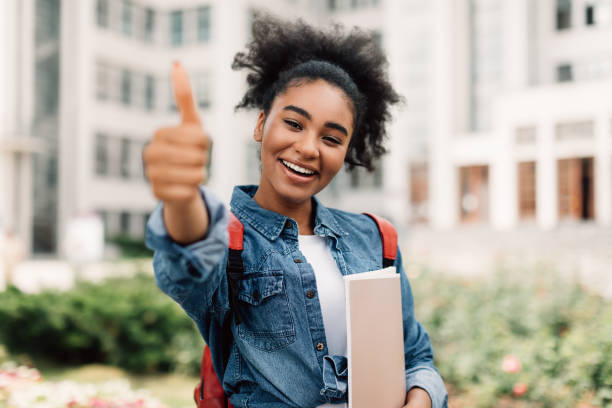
<point x="396" y="181"/>
<point x="226" y="127"/>
<point x="516" y="51"/>
<point x="443" y="177"/>
<point x="547" y="208"/>
<point x="603" y="169"/>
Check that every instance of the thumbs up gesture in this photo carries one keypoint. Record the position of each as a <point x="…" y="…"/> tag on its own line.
<point x="175" y="163"/>
<point x="175" y="160"/>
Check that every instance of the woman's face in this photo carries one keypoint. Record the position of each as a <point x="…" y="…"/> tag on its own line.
<point x="304" y="139"/>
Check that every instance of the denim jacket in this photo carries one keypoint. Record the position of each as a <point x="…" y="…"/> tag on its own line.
<point x="277" y="356"/>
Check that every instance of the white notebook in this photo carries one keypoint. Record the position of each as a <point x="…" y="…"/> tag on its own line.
<point x="375" y="340"/>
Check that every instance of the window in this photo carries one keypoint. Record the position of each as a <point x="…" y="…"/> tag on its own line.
<point x="527" y="190"/>
<point x="124" y="154"/>
<point x="525" y="135"/>
<point x="564" y="14"/>
<point x="576" y="188"/>
<point x="47" y="21"/>
<point x="102" y="13"/>
<point x="47" y="86"/>
<point x="202" y="89"/>
<point x="597" y="12"/>
<point x="589" y="14"/>
<point x="149" y="30"/>
<point x="149" y="92"/>
<point x="419" y="192"/>
<point x="474" y="193"/>
<point x="102" y="82"/>
<point x="124" y="223"/>
<point x="101" y="154"/>
<point x="574" y="130"/>
<point x="564" y="73"/>
<point x="126" y="17"/>
<point x="126" y="87"/>
<point x="176" y="28"/>
<point x="204" y="24"/>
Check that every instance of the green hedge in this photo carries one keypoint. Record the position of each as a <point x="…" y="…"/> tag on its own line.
<point x="561" y="334"/>
<point x="124" y="322"/>
<point x="131" y="247"/>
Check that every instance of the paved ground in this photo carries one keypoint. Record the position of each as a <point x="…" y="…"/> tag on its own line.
<point x="581" y="251"/>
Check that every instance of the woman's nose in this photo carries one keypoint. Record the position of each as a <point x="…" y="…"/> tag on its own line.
<point x="306" y="146"/>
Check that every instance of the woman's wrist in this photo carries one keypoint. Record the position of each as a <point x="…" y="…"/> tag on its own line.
<point x="186" y="222"/>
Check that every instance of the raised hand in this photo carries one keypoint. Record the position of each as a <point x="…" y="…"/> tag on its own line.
<point x="176" y="158"/>
<point x="175" y="164"/>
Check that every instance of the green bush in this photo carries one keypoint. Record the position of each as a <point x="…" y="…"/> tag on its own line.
<point x="126" y="322"/>
<point x="561" y="334"/>
<point x="131" y="247"/>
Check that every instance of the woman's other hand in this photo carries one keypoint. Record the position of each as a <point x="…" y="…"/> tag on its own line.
<point x="417" y="398"/>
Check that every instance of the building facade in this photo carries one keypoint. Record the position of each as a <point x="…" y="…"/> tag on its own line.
<point x="505" y="120"/>
<point x="522" y="121"/>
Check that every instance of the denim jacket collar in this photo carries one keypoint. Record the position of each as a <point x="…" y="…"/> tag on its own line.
<point x="270" y="223"/>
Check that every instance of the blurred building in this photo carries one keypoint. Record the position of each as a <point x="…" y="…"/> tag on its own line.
<point x="506" y="120"/>
<point x="522" y="117"/>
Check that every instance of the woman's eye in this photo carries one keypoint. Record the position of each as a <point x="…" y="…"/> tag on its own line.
<point x="332" y="139"/>
<point x="293" y="124"/>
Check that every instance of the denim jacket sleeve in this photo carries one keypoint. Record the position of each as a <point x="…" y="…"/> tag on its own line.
<point x="418" y="352"/>
<point x="191" y="274"/>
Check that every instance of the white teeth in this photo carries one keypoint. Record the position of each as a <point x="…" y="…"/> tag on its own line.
<point x="297" y="168"/>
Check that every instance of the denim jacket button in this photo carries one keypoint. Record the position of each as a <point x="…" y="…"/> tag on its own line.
<point x="297" y="260"/>
<point x="310" y="294"/>
<point x="320" y="346"/>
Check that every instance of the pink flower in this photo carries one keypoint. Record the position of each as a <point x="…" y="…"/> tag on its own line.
<point x="511" y="364"/>
<point x="519" y="389"/>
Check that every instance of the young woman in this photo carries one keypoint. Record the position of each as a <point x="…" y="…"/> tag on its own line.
<point x="323" y="101"/>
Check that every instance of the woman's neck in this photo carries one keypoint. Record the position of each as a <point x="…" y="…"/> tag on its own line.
<point x="302" y="212"/>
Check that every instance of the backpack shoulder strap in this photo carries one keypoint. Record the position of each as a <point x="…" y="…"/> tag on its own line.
<point x="235" y="267"/>
<point x="236" y="232"/>
<point x="388" y="234"/>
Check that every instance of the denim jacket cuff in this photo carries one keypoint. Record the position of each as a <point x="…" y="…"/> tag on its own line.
<point x="200" y="256"/>
<point x="428" y="379"/>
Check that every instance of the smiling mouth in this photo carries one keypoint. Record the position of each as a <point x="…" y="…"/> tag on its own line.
<point x="294" y="168"/>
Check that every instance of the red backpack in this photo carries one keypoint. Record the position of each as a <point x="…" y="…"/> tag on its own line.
<point x="209" y="392"/>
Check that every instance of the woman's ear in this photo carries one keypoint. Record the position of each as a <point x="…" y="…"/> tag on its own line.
<point x="258" y="134"/>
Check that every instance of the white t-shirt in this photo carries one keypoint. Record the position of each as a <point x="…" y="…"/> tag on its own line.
<point x="330" y="288"/>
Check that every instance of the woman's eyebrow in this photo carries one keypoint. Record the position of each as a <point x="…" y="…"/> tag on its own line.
<point x="298" y="110"/>
<point x="334" y="125"/>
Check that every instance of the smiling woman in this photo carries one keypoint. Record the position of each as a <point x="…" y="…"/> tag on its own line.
<point x="273" y="313"/>
<point x="304" y="140"/>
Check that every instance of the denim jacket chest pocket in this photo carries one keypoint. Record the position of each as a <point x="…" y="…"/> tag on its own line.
<point x="267" y="323"/>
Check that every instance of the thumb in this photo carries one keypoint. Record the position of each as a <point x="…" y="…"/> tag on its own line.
<point x="183" y="95"/>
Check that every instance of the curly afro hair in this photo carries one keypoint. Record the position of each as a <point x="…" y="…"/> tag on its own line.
<point x="283" y="54"/>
